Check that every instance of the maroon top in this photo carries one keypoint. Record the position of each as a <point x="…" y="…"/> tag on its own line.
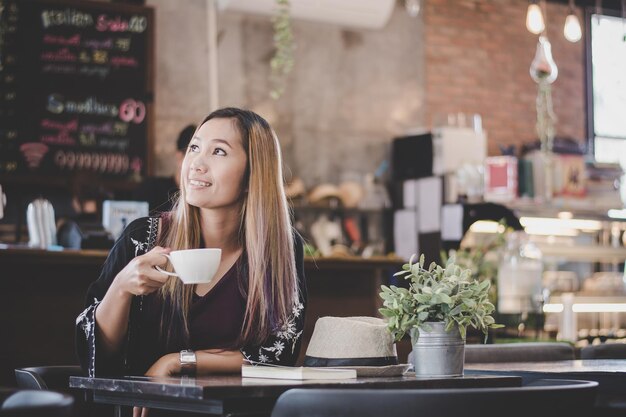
<point x="216" y="318"/>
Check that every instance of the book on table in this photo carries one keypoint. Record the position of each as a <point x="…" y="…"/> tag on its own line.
<point x="295" y="372"/>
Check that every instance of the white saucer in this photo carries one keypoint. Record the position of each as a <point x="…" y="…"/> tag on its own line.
<point x="378" y="371"/>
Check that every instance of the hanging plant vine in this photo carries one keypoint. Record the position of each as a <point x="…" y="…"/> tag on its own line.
<point x="282" y="61"/>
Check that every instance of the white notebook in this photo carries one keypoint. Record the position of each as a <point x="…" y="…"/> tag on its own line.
<point x="291" y="372"/>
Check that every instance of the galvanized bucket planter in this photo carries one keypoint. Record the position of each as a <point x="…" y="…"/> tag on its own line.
<point x="437" y="353"/>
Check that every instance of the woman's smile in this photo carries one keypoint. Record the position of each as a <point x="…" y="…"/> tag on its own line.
<point x="199" y="184"/>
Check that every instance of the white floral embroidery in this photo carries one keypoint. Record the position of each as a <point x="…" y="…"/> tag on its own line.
<point x="139" y="246"/>
<point x="279" y="345"/>
<point x="87" y="322"/>
<point x="287" y="334"/>
<point x="143" y="247"/>
<point x="297" y="309"/>
<point x="82" y="317"/>
<point x="153" y="228"/>
<point x="150" y="241"/>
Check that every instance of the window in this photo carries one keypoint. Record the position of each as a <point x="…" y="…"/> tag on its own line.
<point x="608" y="89"/>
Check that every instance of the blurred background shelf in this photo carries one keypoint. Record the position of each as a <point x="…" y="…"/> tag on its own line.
<point x="592" y="208"/>
<point x="583" y="253"/>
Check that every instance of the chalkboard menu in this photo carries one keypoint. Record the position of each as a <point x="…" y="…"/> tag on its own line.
<point x="76" y="88"/>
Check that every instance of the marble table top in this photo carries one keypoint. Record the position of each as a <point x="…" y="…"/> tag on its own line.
<point x="610" y="374"/>
<point x="603" y="366"/>
<point x="234" y="386"/>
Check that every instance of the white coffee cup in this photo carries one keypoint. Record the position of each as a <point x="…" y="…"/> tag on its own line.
<point x="194" y="266"/>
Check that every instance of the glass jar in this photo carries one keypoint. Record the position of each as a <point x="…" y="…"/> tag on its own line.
<point x="520" y="276"/>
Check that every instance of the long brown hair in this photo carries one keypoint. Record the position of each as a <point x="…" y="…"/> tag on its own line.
<point x="265" y="233"/>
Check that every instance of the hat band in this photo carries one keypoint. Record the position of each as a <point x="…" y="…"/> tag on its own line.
<point x="381" y="361"/>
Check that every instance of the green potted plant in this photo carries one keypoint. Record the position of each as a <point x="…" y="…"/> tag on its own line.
<point x="436" y="309"/>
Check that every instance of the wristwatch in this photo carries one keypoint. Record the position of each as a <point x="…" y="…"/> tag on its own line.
<point x="188" y="362"/>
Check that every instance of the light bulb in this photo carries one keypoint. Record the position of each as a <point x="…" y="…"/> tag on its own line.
<point x="543" y="68"/>
<point x="572" y="30"/>
<point x="534" y="19"/>
<point x="413" y="7"/>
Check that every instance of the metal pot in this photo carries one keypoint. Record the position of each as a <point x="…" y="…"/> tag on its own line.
<point x="42" y="231"/>
<point x="437" y="353"/>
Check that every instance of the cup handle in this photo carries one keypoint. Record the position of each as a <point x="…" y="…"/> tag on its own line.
<point x="158" y="268"/>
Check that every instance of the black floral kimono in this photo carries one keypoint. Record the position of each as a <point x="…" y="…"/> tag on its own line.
<point x="215" y="319"/>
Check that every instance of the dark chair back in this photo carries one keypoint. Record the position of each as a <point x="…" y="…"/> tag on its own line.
<point x="542" y="398"/>
<point x="46" y="377"/>
<point x="604" y="351"/>
<point x="57" y="378"/>
<point x="519" y="352"/>
<point x="31" y="403"/>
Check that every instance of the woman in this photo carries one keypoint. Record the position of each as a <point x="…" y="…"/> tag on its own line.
<point x="140" y="321"/>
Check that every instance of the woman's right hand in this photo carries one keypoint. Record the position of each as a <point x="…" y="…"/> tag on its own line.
<point x="139" y="277"/>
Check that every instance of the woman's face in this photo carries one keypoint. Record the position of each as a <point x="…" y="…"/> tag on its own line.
<point x="214" y="167"/>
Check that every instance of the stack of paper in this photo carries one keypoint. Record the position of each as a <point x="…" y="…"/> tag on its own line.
<point x="300" y="373"/>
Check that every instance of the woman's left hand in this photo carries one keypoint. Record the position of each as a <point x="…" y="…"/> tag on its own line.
<point x="167" y="365"/>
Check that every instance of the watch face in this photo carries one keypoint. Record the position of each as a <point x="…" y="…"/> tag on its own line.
<point x="187" y="362"/>
<point x="187" y="356"/>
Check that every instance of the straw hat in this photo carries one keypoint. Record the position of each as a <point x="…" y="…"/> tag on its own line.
<point x="295" y="188"/>
<point x="322" y="192"/>
<point x="351" y="193"/>
<point x="351" y="341"/>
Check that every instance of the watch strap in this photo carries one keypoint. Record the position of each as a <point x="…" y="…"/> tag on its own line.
<point x="188" y="362"/>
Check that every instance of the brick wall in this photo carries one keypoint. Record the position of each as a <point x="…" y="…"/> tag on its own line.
<point x="478" y="54"/>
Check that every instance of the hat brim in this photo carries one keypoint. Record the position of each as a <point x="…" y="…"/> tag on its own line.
<point x="335" y="362"/>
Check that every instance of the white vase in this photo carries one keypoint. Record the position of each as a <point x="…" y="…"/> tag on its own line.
<point x="437" y="352"/>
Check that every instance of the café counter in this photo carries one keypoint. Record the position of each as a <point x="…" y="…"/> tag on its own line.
<point x="42" y="292"/>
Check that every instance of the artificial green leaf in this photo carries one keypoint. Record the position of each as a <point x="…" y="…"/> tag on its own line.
<point x="386" y="312"/>
<point x="445" y="298"/>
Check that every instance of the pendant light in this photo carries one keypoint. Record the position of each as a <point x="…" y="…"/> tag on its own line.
<point x="534" y="18"/>
<point x="572" y="30"/>
<point x="413" y="7"/>
<point x="543" y="68"/>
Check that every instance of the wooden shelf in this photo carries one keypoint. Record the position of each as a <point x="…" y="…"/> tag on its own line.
<point x="583" y="253"/>
<point x="580" y="207"/>
<point x="22" y="253"/>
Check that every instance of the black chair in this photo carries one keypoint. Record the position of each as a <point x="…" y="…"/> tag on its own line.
<point x="604" y="351"/>
<point x="57" y="378"/>
<point x="519" y="352"/>
<point x="46" y="377"/>
<point x="30" y="403"/>
<point x="542" y="398"/>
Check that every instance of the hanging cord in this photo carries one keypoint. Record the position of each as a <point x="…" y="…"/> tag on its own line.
<point x="544" y="11"/>
<point x="624" y="20"/>
<point x="545" y="116"/>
